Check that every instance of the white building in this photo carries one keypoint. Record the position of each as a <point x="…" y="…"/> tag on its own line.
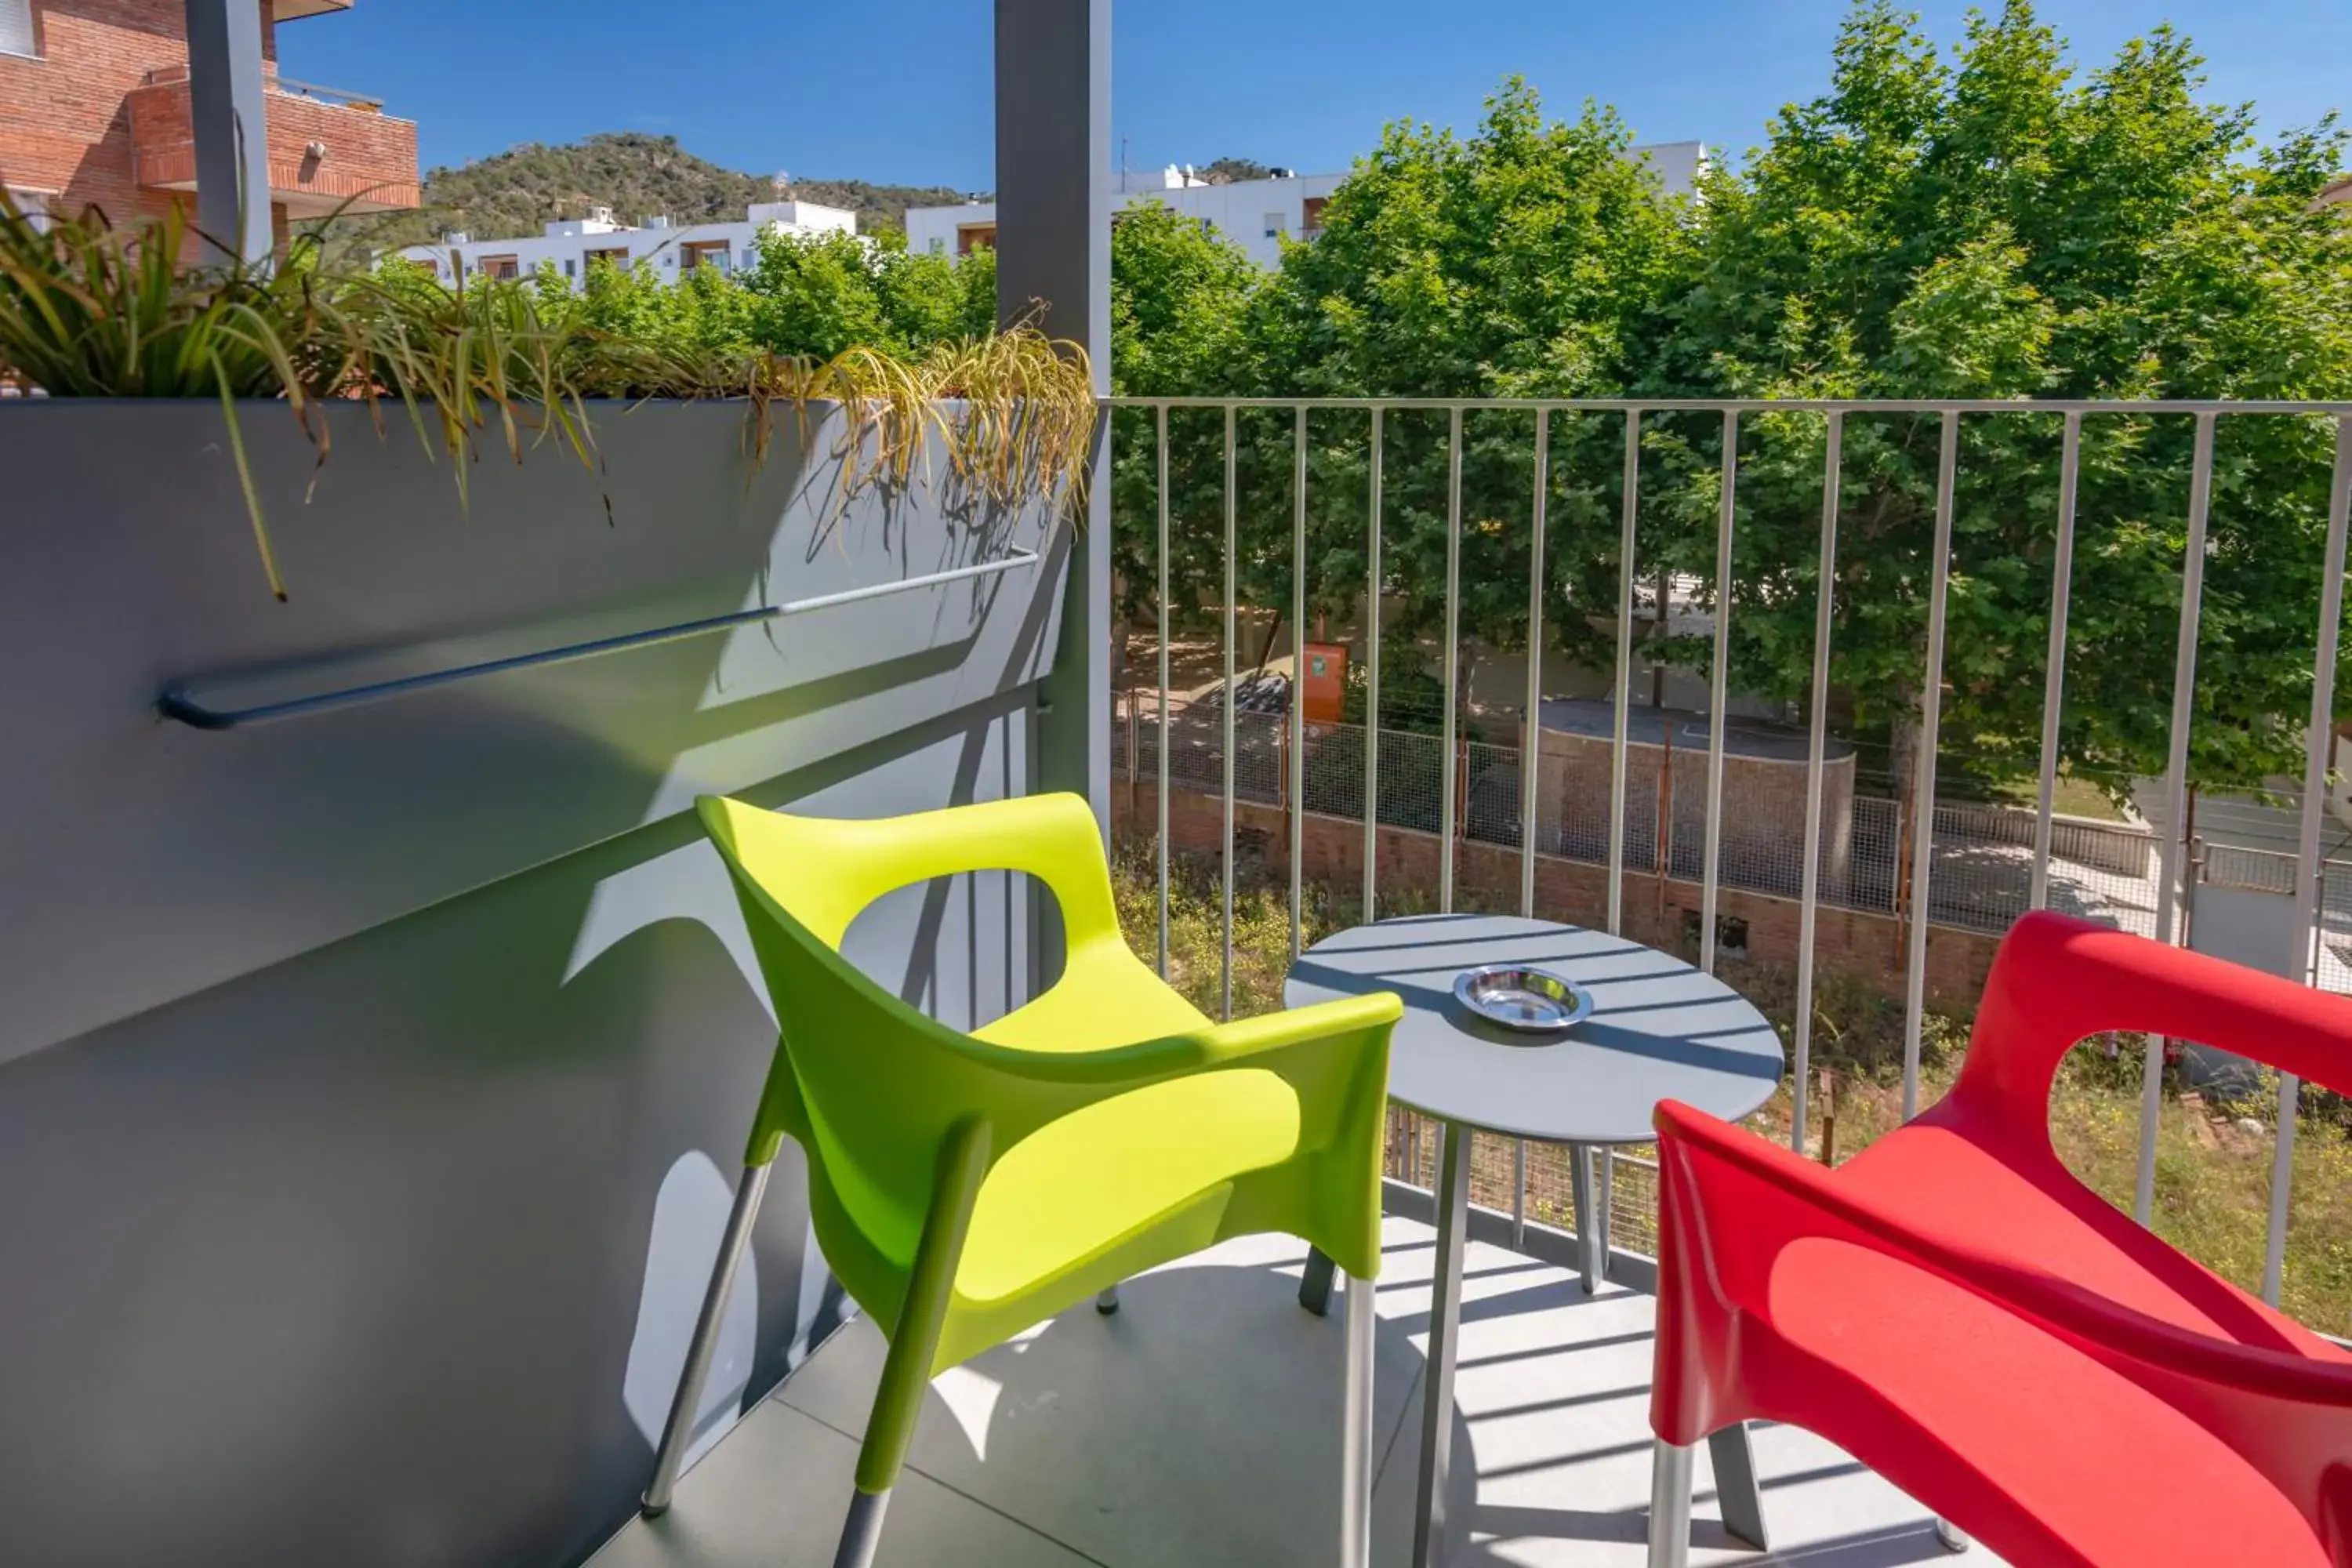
<point x="1255" y="214"/>
<point x="570" y="243"/>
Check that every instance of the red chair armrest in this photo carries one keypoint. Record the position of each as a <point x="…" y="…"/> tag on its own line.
<point x="2058" y="980"/>
<point x="1825" y="1207"/>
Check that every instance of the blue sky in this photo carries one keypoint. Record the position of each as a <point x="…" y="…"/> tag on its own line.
<point x="827" y="89"/>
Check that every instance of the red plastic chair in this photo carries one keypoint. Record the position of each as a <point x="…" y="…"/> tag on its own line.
<point x="1965" y="1316"/>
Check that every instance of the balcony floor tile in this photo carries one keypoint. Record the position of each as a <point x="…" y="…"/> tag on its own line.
<point x="1199" y="1425"/>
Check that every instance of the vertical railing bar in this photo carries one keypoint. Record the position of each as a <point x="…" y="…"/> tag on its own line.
<point x="1373" y="674"/>
<point x="2316" y="740"/>
<point x="1298" y="677"/>
<point x="1530" y="752"/>
<point x="1531" y="730"/>
<point x="1520" y="1196"/>
<point x="1161" y="421"/>
<point x="1445" y="811"/>
<point x="2053" y="678"/>
<point x="1923" y="798"/>
<point x="1816" y="753"/>
<point x="1623" y="695"/>
<point x="1225" y="970"/>
<point x="1719" y="684"/>
<point x="2176" y="794"/>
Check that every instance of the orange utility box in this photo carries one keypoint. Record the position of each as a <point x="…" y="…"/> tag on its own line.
<point x="1323" y="680"/>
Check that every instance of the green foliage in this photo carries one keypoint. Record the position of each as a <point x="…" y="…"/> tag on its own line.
<point x="1532" y="258"/>
<point x="1991" y="227"/>
<point x="1228" y="171"/>
<point x="88" y="310"/>
<point x="1179" y="307"/>
<point x="1982" y="224"/>
<point x="822" y="294"/>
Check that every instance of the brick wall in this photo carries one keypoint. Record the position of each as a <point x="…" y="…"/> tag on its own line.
<point x="65" y="121"/>
<point x="369" y="155"/>
<point x="1867" y="946"/>
<point x="66" y="131"/>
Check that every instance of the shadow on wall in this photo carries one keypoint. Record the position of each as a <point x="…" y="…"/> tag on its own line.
<point x="364" y="1075"/>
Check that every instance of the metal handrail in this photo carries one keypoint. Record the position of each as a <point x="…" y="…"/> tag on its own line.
<point x="1764" y="404"/>
<point x="178" y="702"/>
<point x="335" y="96"/>
<point x="2206" y="412"/>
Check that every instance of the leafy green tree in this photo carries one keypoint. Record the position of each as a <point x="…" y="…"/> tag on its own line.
<point x="701" y="318"/>
<point x="1181" y="299"/>
<point x="1227" y="171"/>
<point x="1534" y="258"/>
<point x="820" y="294"/>
<point x="1992" y="228"/>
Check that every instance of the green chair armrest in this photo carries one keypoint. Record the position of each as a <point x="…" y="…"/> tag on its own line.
<point x="1122" y="1067"/>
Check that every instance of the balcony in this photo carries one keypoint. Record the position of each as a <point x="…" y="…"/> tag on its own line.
<point x="1200" y="1426"/>
<point x="328" y="149"/>
<point x="382" y="1035"/>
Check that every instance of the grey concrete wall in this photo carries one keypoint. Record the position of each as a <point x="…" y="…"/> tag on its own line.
<point x="371" y="1082"/>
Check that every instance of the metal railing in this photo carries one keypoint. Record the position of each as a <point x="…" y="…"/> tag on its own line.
<point x="1979" y="855"/>
<point x="1923" y="806"/>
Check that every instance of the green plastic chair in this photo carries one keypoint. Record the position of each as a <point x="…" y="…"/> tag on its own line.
<point x="967" y="1186"/>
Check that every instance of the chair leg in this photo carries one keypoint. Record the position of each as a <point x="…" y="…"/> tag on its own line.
<point x="1736" y="1489"/>
<point x="1670" y="1505"/>
<point x="1315" y="1285"/>
<point x="861" y="1532"/>
<point x="914" y="1340"/>
<point x="678" y="1431"/>
<point x="1107" y="1301"/>
<point x="1355" y="1441"/>
<point x="1950" y="1536"/>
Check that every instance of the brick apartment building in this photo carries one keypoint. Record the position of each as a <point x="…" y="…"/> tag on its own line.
<point x="94" y="109"/>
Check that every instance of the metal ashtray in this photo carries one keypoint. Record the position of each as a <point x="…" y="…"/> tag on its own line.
<point x="1517" y="996"/>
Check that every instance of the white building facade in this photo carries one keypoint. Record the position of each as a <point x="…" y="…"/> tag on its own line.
<point x="571" y="245"/>
<point x="1257" y="216"/>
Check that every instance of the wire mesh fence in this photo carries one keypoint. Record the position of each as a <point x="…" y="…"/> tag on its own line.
<point x="1625" y="1181"/>
<point x="1981" y="863"/>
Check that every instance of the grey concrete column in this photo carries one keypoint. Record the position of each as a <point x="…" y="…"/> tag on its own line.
<point x="1052" y="251"/>
<point x="230" y="125"/>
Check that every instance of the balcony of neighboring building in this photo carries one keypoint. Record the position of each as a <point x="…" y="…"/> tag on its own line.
<point x="329" y="150"/>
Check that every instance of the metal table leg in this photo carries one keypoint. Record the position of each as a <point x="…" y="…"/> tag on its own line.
<point x="1452" y="1195"/>
<point x="1593" y="1259"/>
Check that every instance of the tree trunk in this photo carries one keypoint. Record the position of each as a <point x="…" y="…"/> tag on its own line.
<point x="1266" y="649"/>
<point x="1903" y="743"/>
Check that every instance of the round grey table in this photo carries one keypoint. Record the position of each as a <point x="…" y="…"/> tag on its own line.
<point x="1660" y="1030"/>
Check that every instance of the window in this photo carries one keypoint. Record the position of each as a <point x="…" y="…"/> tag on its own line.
<point x="571" y="267"/>
<point x="16" y="27"/>
<point x="938" y="246"/>
<point x="1274" y="226"/>
<point x="703" y="253"/>
<point x="1310" y="219"/>
<point x="618" y="258"/>
<point x="34" y="204"/>
<point x="972" y="236"/>
<point x="498" y="267"/>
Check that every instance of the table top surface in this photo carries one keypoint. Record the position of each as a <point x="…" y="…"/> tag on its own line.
<point x="1660" y="1029"/>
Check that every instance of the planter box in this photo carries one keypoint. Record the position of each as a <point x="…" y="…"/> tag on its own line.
<point x="371" y="1081"/>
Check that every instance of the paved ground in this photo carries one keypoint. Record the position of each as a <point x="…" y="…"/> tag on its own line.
<point x="1200" y="1427"/>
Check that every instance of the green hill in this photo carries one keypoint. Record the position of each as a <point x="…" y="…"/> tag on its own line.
<point x="639" y="176"/>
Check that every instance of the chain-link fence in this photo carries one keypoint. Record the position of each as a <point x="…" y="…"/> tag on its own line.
<point x="1625" y="1182"/>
